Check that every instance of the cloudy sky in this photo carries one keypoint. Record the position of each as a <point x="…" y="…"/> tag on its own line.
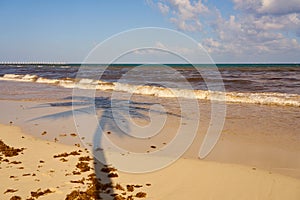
<point x="230" y="30"/>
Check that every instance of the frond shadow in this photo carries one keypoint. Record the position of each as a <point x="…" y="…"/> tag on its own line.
<point x="109" y="112"/>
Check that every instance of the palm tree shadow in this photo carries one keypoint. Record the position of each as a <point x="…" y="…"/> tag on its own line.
<point x="111" y="112"/>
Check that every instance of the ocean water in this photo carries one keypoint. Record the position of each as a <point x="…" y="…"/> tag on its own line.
<point x="268" y="84"/>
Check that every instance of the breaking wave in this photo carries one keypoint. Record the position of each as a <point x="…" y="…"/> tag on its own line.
<point x="265" y="98"/>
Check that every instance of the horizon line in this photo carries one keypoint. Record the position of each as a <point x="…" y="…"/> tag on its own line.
<point x="127" y="63"/>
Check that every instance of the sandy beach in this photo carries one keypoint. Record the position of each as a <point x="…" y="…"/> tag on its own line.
<point x="49" y="170"/>
<point x="241" y="166"/>
<point x="48" y="174"/>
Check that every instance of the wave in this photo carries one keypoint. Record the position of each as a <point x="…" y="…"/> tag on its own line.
<point x="65" y="67"/>
<point x="266" y="98"/>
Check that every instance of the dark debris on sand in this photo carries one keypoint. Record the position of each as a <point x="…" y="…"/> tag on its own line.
<point x="73" y="153"/>
<point x="15" y="162"/>
<point x="76" y="173"/>
<point x="10" y="191"/>
<point x="83" y="166"/>
<point x="119" y="197"/>
<point x="141" y="195"/>
<point x="108" y="169"/>
<point x="15" y="198"/>
<point x="73" y="134"/>
<point x="9" y="151"/>
<point x="93" y="191"/>
<point x="130" y="188"/>
<point x="95" y="187"/>
<point x="85" y="158"/>
<point x="63" y="160"/>
<point x="44" y="133"/>
<point x="79" y="181"/>
<point x="119" y="187"/>
<point x="39" y="193"/>
<point x="112" y="175"/>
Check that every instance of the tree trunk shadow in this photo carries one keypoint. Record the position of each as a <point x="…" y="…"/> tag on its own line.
<point x="100" y="185"/>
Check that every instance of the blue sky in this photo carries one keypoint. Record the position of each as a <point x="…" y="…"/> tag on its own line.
<point x="230" y="30"/>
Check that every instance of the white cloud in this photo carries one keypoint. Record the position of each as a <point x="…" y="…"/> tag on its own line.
<point x="185" y="14"/>
<point x="249" y="5"/>
<point x="259" y="27"/>
<point x="211" y="44"/>
<point x="164" y="9"/>
<point x="279" y="7"/>
<point x="159" y="49"/>
<point x="273" y="7"/>
<point x="251" y="35"/>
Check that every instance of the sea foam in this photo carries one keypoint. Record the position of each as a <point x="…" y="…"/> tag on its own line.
<point x="264" y="98"/>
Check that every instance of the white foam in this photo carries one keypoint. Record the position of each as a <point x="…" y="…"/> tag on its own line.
<point x="266" y="98"/>
<point x="65" y="67"/>
<point x="12" y="76"/>
<point x="49" y="81"/>
<point x="67" y="83"/>
<point x="87" y="81"/>
<point x="30" y="78"/>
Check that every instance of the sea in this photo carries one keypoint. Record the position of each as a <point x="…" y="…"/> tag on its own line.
<point x="266" y="84"/>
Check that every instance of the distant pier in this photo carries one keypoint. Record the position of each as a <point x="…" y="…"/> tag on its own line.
<point x="33" y="63"/>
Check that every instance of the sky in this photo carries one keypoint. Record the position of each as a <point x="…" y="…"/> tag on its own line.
<point x="230" y="31"/>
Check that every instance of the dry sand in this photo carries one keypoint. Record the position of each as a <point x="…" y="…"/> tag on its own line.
<point x="185" y="179"/>
<point x="51" y="168"/>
